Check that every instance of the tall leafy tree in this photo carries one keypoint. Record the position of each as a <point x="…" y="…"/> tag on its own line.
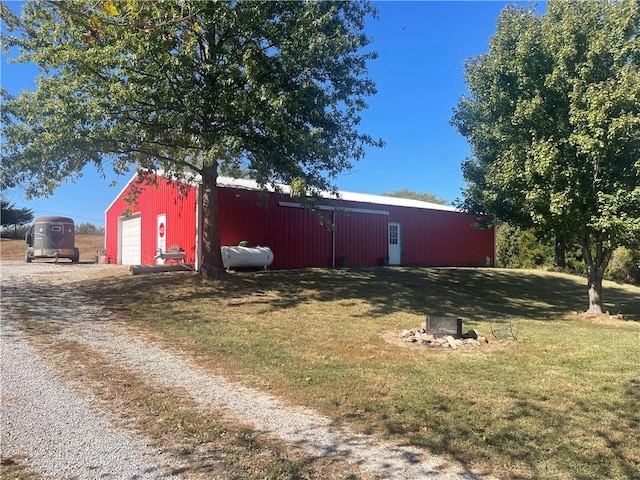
<point x="274" y="88"/>
<point x="553" y="120"/>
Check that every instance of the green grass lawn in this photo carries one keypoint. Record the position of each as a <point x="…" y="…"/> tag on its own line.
<point x="562" y="402"/>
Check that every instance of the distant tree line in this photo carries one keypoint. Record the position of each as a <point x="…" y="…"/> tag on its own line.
<point x="87" y="228"/>
<point x="422" y="196"/>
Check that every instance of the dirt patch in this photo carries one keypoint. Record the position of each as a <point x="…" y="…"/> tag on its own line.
<point x="16" y="467"/>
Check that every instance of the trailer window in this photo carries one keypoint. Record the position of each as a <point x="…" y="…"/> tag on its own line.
<point x="56" y="228"/>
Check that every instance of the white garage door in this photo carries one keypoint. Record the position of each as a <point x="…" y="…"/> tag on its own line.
<point x="130" y="242"/>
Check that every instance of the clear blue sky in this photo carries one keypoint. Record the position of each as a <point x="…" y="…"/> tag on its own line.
<point x="419" y="75"/>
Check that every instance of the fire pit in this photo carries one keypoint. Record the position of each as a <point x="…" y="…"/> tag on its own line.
<point x="443" y="326"/>
<point x="444" y="332"/>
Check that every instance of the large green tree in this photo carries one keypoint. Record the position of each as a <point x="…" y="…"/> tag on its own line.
<point x="274" y="88"/>
<point x="553" y="120"/>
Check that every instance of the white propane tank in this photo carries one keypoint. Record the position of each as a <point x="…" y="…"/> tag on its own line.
<point x="245" y="257"/>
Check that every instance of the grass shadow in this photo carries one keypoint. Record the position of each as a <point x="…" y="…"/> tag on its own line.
<point x="478" y="294"/>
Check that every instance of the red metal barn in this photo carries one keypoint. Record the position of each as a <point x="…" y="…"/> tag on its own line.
<point x="367" y="230"/>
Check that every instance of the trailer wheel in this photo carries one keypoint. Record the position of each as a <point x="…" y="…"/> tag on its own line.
<point x="76" y="256"/>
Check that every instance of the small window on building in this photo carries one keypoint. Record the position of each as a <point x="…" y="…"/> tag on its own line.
<point x="393" y="234"/>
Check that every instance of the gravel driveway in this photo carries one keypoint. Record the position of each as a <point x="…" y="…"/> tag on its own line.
<point x="61" y="433"/>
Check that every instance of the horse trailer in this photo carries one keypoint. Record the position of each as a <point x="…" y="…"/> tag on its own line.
<point x="52" y="237"/>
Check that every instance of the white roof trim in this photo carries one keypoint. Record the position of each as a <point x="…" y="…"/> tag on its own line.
<point x="395" y="201"/>
<point x="247" y="184"/>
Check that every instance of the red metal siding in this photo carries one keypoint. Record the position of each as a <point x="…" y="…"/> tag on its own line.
<point x="298" y="237"/>
<point x="361" y="238"/>
<point x="441" y="238"/>
<point x="295" y="235"/>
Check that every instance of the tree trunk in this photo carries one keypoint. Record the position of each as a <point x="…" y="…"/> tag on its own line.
<point x="596" y="263"/>
<point x="560" y="259"/>
<point x="594" y="287"/>
<point x="211" y="267"/>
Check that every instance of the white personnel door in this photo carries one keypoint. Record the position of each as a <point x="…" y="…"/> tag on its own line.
<point x="161" y="240"/>
<point x="130" y="241"/>
<point x="395" y="244"/>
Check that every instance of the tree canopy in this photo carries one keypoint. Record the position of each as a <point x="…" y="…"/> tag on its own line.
<point x="553" y="120"/>
<point x="273" y="88"/>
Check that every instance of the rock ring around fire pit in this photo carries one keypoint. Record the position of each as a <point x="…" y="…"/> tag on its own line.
<point x="444" y="332"/>
<point x="421" y="337"/>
